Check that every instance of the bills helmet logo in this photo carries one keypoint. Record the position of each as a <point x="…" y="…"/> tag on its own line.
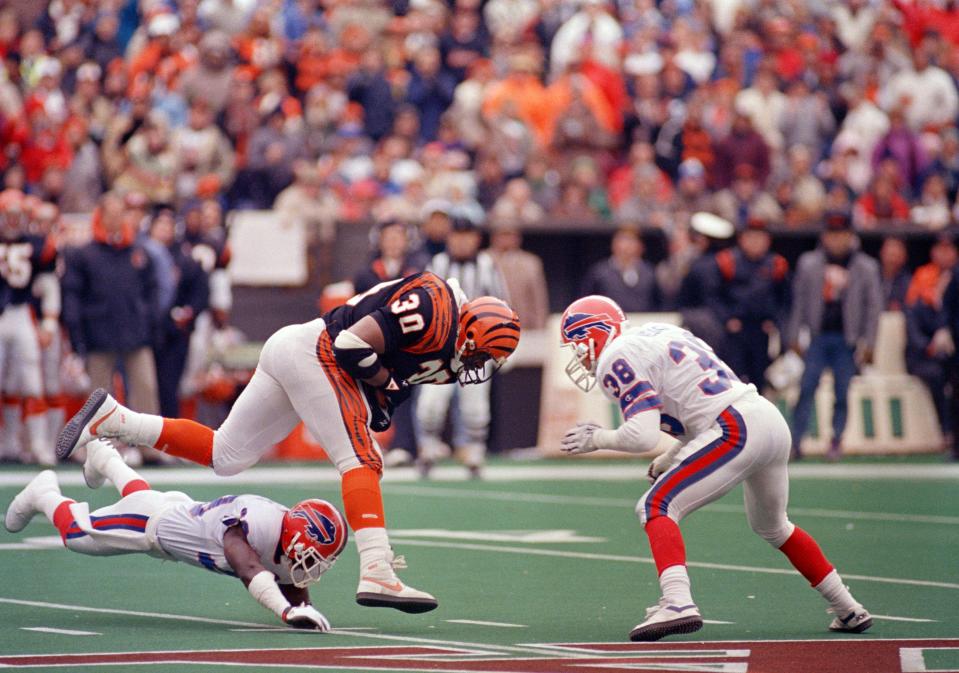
<point x="319" y="524"/>
<point x="583" y="326"/>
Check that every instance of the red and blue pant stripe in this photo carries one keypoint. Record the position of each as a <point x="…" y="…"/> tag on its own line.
<point x="699" y="465"/>
<point x="134" y="522"/>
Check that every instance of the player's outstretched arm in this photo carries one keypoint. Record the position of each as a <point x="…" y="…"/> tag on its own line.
<point x="262" y="585"/>
<point x="639" y="434"/>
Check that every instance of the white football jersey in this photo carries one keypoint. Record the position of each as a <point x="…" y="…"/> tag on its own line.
<point x="192" y="532"/>
<point x="660" y="366"/>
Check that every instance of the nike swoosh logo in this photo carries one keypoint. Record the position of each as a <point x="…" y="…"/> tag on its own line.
<point x="395" y="586"/>
<point x="96" y="426"/>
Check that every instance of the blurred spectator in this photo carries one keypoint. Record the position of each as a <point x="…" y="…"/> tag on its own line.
<point x="178" y="307"/>
<point x="273" y="150"/>
<point x="310" y="202"/>
<point x="230" y="16"/>
<point x="463" y="43"/>
<point x="109" y="282"/>
<point x="880" y="205"/>
<point x="202" y="151"/>
<point x="798" y="191"/>
<point x="101" y="44"/>
<point x="625" y="277"/>
<point x="750" y="300"/>
<point x="765" y="106"/>
<point x="478" y="276"/>
<point x="591" y="33"/>
<point x="517" y="205"/>
<point x="745" y="198"/>
<point x="893" y="259"/>
<point x="901" y="145"/>
<point x="806" y="119"/>
<point x="150" y="163"/>
<point x="435" y="227"/>
<point x="926" y="93"/>
<point x="707" y="234"/>
<point x="854" y="21"/>
<point x="837" y="299"/>
<point x="743" y="146"/>
<point x="933" y="209"/>
<point x="523" y="273"/>
<point x="368" y="87"/>
<point x="83" y="180"/>
<point x="430" y="91"/>
<point x="929" y="344"/>
<point x="212" y="75"/>
<point x="521" y="93"/>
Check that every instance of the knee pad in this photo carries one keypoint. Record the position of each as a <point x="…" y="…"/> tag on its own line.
<point x="775" y="535"/>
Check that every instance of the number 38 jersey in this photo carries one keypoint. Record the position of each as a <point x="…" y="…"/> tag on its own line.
<point x="192" y="532"/>
<point x="659" y="366"/>
<point x="20" y="261"/>
<point x="418" y="317"/>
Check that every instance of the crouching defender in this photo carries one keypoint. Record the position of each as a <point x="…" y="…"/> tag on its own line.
<point x="276" y="552"/>
<point x="665" y="378"/>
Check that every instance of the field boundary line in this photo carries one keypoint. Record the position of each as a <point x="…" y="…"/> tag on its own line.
<point x="575" y="471"/>
<point x="591" y="556"/>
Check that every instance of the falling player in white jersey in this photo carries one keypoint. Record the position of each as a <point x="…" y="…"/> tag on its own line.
<point x="664" y="378"/>
<point x="276" y="552"/>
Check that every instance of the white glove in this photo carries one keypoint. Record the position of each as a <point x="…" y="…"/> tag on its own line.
<point x="305" y="617"/>
<point x="579" y="439"/>
<point x="659" y="465"/>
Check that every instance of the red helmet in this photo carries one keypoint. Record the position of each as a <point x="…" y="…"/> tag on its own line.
<point x="313" y="535"/>
<point x="588" y="326"/>
<point x="488" y="332"/>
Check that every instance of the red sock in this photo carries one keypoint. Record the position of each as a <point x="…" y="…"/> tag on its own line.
<point x="187" y="439"/>
<point x="133" y="486"/>
<point x="666" y="543"/>
<point x="803" y="552"/>
<point x="63" y="518"/>
<point x="362" y="500"/>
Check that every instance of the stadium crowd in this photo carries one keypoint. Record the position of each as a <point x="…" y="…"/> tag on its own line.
<point x="161" y="116"/>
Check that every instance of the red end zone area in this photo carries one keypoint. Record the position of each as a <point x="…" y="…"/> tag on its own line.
<point x="823" y="656"/>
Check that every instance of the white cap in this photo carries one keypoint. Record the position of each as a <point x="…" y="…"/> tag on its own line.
<point x="163" y="24"/>
<point x="435" y="206"/>
<point x="711" y="225"/>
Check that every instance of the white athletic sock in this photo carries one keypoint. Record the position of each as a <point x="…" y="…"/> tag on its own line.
<point x="133" y="427"/>
<point x="12" y="429"/>
<point x="837" y="594"/>
<point x="118" y="472"/>
<point x="49" y="501"/>
<point x="675" y="585"/>
<point x="372" y="544"/>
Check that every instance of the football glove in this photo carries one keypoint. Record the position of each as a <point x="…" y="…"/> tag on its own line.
<point x="305" y="617"/>
<point x="579" y="439"/>
<point x="385" y="400"/>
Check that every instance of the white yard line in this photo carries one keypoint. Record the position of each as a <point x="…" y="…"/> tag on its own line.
<point x="917" y="620"/>
<point x="65" y="632"/>
<point x="453" y="644"/>
<point x="617" y="503"/>
<point x="644" y="559"/>
<point x="574" y="471"/>
<point x="505" y="625"/>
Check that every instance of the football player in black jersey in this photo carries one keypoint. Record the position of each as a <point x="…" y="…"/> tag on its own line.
<point x="342" y="375"/>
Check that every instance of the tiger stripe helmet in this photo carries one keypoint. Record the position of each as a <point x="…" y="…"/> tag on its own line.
<point x="488" y="333"/>
<point x="313" y="535"/>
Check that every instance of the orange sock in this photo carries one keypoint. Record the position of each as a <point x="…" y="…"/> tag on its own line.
<point x="134" y="486"/>
<point x="63" y="518"/>
<point x="186" y="439"/>
<point x="33" y="406"/>
<point x="362" y="499"/>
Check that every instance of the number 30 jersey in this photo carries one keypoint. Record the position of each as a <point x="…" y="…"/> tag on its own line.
<point x="20" y="262"/>
<point x="418" y="316"/>
<point x="660" y="366"/>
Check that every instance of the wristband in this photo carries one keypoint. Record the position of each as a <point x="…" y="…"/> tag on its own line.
<point x="50" y="324"/>
<point x="264" y="589"/>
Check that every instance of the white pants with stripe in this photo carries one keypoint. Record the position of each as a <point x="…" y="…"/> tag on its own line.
<point x="128" y="526"/>
<point x="292" y="383"/>
<point x="748" y="443"/>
